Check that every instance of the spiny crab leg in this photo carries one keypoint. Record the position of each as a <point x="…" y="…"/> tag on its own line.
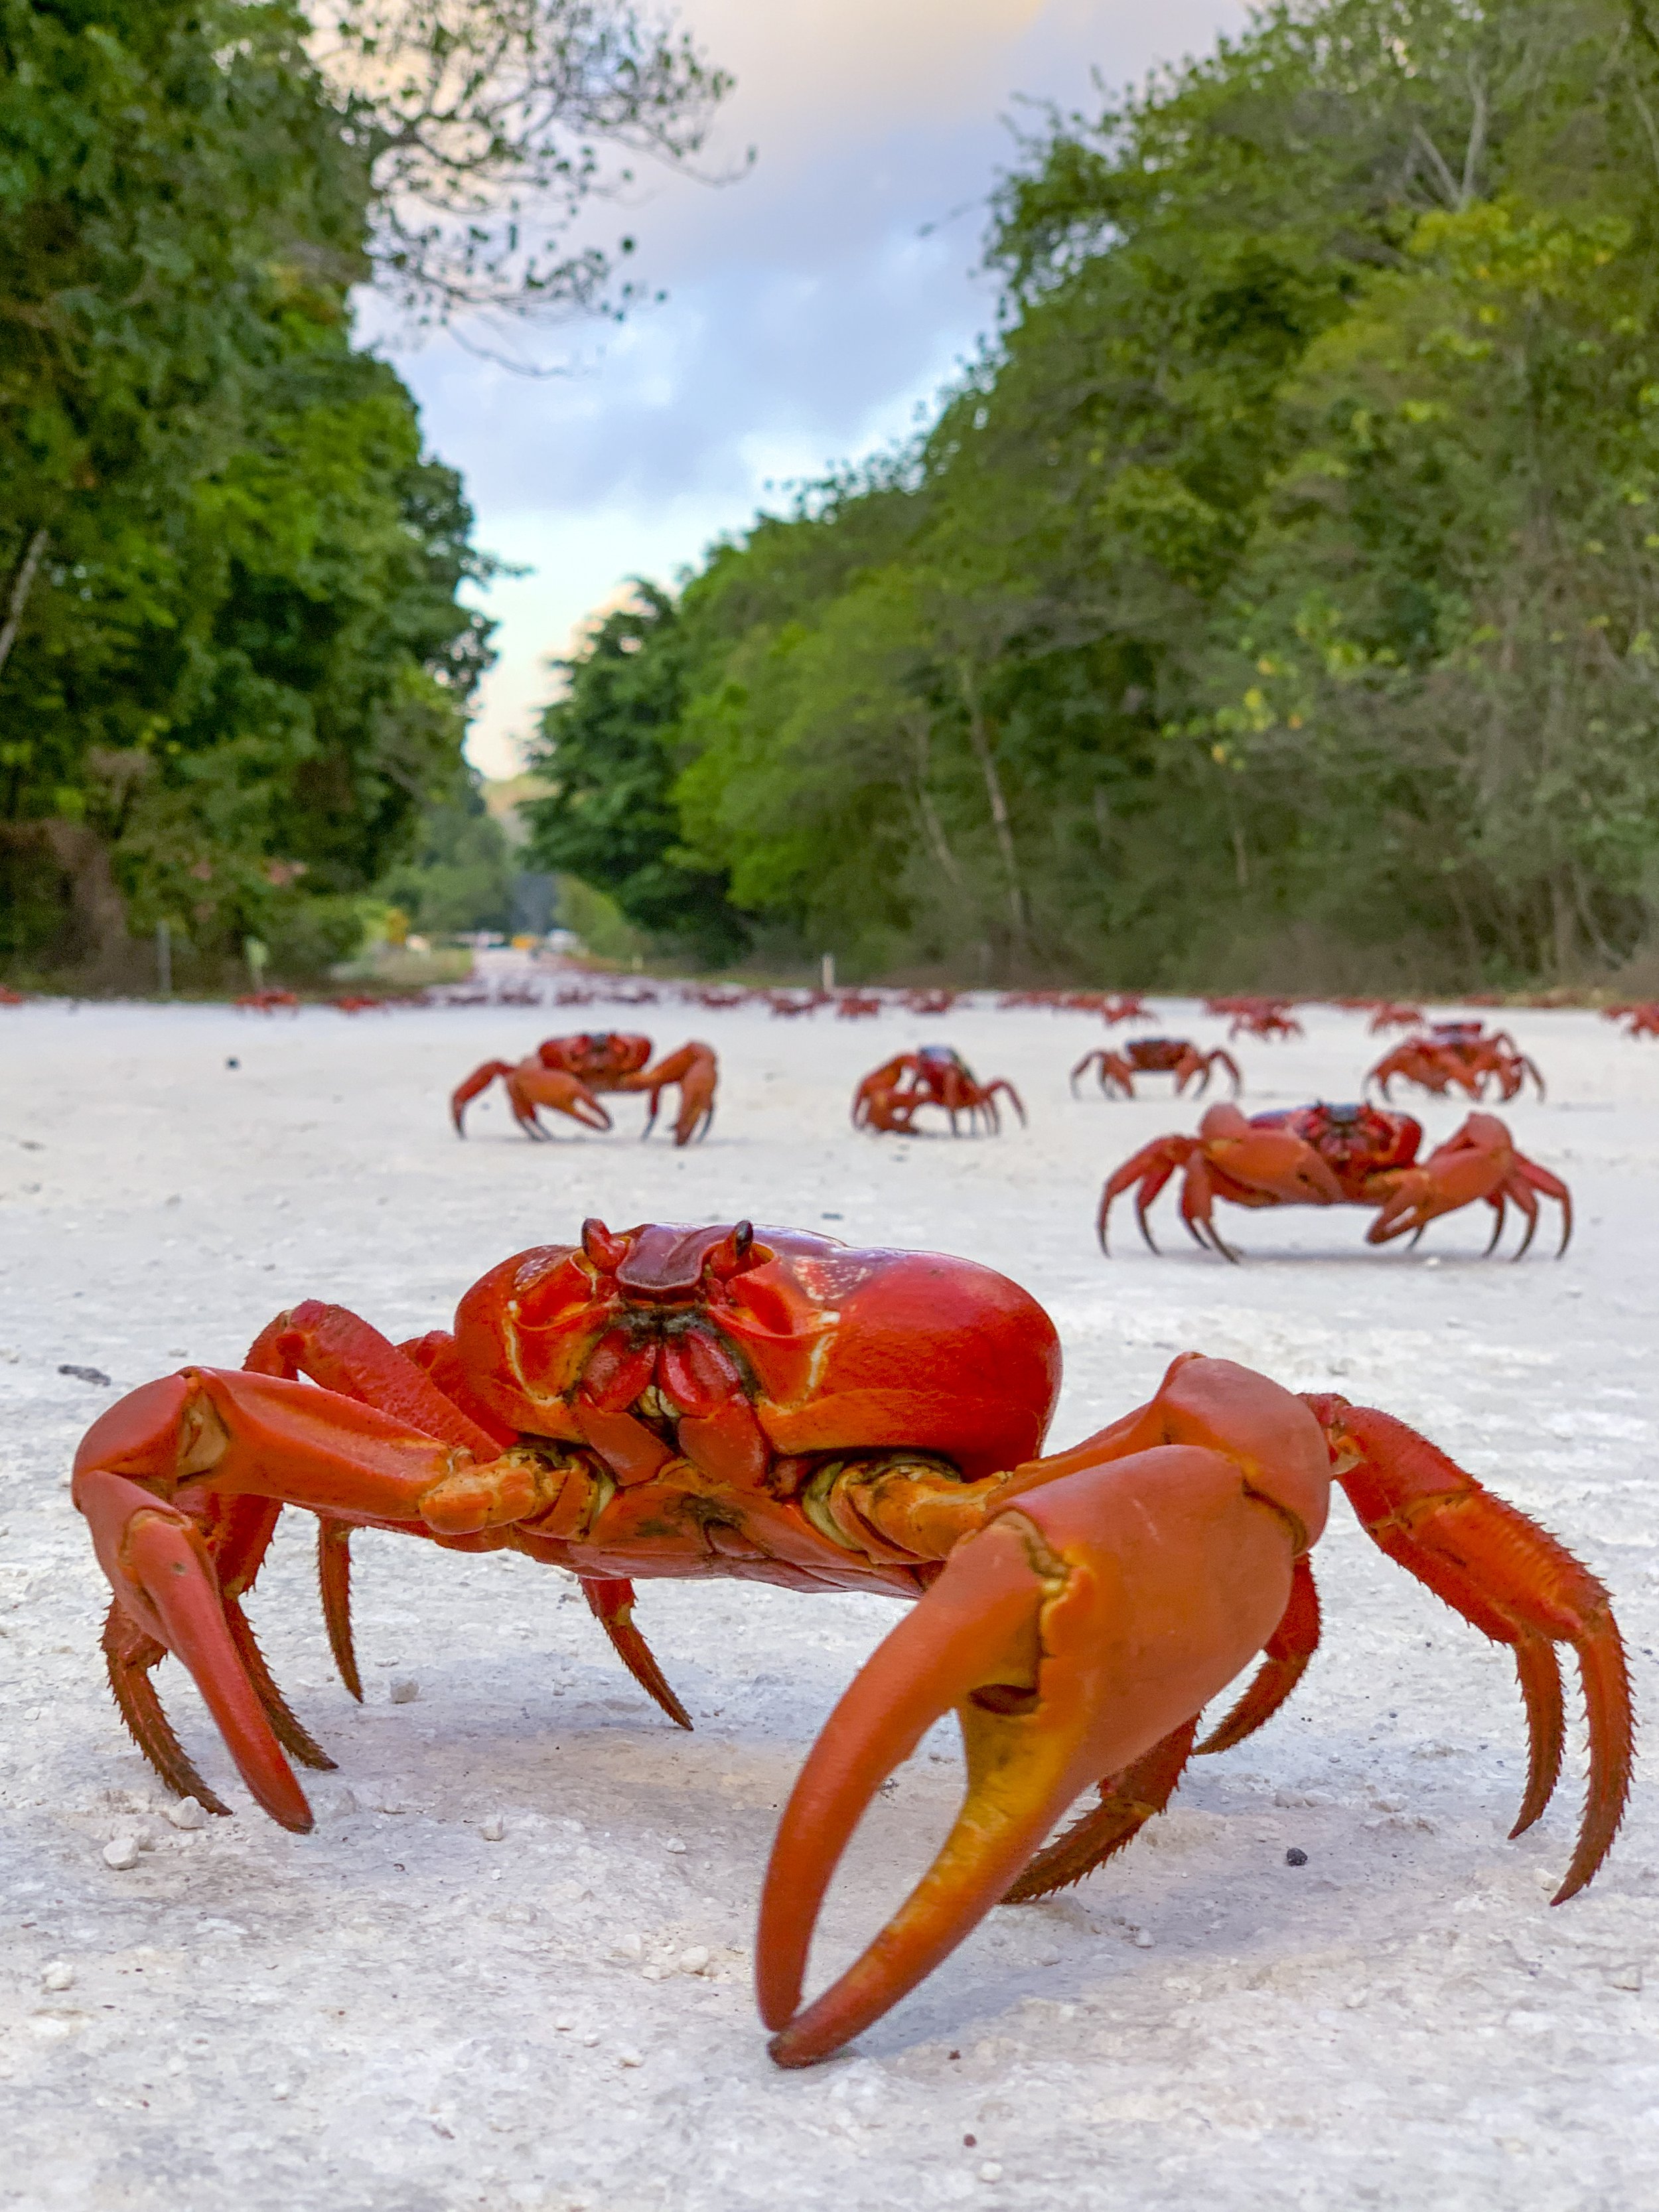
<point x="1512" y="1580"/>
<point x="1088" y="1620"/>
<point x="611" y="1599"/>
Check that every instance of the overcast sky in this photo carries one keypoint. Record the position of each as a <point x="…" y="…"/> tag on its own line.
<point x="808" y="316"/>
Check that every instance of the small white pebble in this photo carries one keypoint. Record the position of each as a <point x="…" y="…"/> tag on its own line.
<point x="991" y="2170"/>
<point x="629" y="1947"/>
<point x="657" y="1973"/>
<point x="121" y="1853"/>
<point x="59" y="1975"/>
<point x="188" y="1813"/>
<point x="589" y="2041"/>
<point x="1048" y="1956"/>
<point x="404" y="1690"/>
<point x="146" y="1839"/>
<point x="626" y="2058"/>
<point x="1143" y="1942"/>
<point x="673" y="1844"/>
<point x="280" y="2090"/>
<point x="694" y="1960"/>
<point x="563" y="2026"/>
<point x="492" y="1828"/>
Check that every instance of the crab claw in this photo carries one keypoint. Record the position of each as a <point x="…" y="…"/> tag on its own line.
<point x="1078" y="1628"/>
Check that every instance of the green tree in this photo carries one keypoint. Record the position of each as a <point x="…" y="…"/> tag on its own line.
<point x="605" y="746"/>
<point x="1272" y="602"/>
<point x="234" y="668"/>
<point x="460" y="876"/>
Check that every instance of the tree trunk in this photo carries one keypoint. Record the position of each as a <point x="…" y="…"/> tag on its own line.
<point x="96" y="906"/>
<point x="979" y="738"/>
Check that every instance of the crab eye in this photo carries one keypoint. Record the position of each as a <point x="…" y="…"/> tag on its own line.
<point x="606" y="1252"/>
<point x="731" y="1256"/>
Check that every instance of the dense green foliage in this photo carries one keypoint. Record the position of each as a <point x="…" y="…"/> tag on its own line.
<point x="1275" y="601"/>
<point x="235" y="666"/>
<point x="611" y="822"/>
<point x="460" y="876"/>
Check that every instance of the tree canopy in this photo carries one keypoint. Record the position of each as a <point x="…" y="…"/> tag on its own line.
<point x="235" y="664"/>
<point x="1273" y="600"/>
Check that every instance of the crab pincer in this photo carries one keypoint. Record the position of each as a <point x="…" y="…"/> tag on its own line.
<point x="1093" y="1617"/>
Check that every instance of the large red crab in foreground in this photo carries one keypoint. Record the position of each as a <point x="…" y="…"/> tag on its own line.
<point x="1327" y="1155"/>
<point x="564" y="1074"/>
<point x="673" y="1401"/>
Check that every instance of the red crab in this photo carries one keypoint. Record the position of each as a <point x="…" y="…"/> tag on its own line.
<point x="1337" y="1156"/>
<point x="268" y="1001"/>
<point x="891" y="1096"/>
<point x="1389" y="1014"/>
<point x="565" y="1072"/>
<point x="1124" y="1006"/>
<point x="717" y="1401"/>
<point x="10" y="998"/>
<point x="1459" y="1052"/>
<point x="1174" y="1056"/>
<point x="856" y="1005"/>
<point x="1641" y="1018"/>
<point x="1267" y="1018"/>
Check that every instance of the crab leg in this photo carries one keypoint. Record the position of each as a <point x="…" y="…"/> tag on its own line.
<point x="1093" y="1617"/>
<point x="339" y="1349"/>
<point x="334" y="1580"/>
<point x="172" y="1453"/>
<point x="612" y="1603"/>
<point x="1151" y="1168"/>
<point x="1512" y="1580"/>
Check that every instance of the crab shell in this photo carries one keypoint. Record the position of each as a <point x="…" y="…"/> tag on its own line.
<point x="837" y="1349"/>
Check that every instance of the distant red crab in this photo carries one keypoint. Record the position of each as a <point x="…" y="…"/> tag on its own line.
<point x="1457" y="1052"/>
<point x="1640" y="1016"/>
<point x="671" y="1401"/>
<point x="1176" y="1056"/>
<point x="269" y="1001"/>
<point x="891" y="1096"/>
<point x="1324" y="1154"/>
<point x="1267" y="1018"/>
<point x="565" y="1072"/>
<point x="1392" y="1014"/>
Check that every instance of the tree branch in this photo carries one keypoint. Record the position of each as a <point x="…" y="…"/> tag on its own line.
<point x="22" y="584"/>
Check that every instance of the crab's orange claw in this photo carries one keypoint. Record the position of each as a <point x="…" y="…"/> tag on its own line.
<point x="165" y="1581"/>
<point x="1084" y="1625"/>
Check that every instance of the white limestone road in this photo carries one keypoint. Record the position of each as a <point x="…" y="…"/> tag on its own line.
<point x="511" y="1967"/>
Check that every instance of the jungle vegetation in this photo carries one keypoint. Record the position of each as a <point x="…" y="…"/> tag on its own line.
<point x="235" y="664"/>
<point x="1274" y="600"/>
